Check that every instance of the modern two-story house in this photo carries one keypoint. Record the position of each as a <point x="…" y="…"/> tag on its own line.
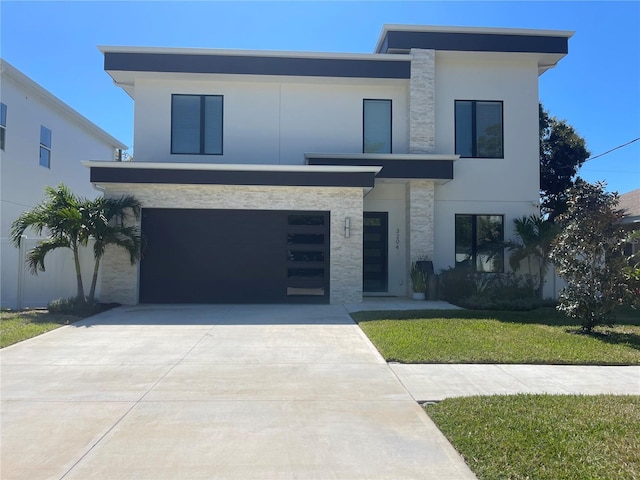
<point x="314" y="177"/>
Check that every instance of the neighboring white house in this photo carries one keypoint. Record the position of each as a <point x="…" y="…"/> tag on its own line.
<point x="319" y="177"/>
<point x="630" y="203"/>
<point x="42" y="142"/>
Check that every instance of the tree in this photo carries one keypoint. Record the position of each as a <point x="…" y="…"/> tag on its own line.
<point x="59" y="214"/>
<point x="589" y="255"/>
<point x="104" y="221"/>
<point x="562" y="153"/>
<point x="536" y="237"/>
<point x="71" y="221"/>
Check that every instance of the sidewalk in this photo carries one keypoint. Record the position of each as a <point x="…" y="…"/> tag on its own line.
<point x="435" y="382"/>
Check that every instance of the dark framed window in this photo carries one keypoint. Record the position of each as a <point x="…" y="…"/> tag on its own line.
<point x="196" y="124"/>
<point x="308" y="247"/>
<point x="480" y="242"/>
<point x="45" y="147"/>
<point x="3" y="124"/>
<point x="376" y="126"/>
<point x="479" y="129"/>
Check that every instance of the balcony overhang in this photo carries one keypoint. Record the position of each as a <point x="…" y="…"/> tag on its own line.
<point x="397" y="166"/>
<point x="102" y="173"/>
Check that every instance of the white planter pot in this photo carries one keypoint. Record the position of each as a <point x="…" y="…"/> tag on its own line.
<point x="418" y="295"/>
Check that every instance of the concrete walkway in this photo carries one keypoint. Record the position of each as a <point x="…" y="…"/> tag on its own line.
<point x="437" y="382"/>
<point x="213" y="392"/>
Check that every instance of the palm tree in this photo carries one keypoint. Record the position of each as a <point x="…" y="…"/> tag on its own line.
<point x="536" y="236"/>
<point x="104" y="221"/>
<point x="71" y="221"/>
<point x="59" y="214"/>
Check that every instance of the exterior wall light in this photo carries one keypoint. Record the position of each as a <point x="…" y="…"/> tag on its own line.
<point x="347" y="227"/>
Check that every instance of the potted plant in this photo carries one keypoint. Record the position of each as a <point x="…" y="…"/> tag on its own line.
<point x="418" y="282"/>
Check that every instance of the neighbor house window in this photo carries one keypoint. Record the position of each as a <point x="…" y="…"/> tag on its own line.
<point x="479" y="129"/>
<point x="479" y="242"/>
<point x="376" y="126"/>
<point x="196" y="124"/>
<point x="45" y="147"/>
<point x="3" y="124"/>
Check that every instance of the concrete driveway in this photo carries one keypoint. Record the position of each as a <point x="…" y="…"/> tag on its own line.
<point x="207" y="392"/>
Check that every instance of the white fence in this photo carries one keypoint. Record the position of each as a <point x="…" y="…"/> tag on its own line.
<point x="21" y="289"/>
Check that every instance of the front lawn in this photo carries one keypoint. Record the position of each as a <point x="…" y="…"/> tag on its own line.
<point x="16" y="326"/>
<point x="542" y="336"/>
<point x="544" y="437"/>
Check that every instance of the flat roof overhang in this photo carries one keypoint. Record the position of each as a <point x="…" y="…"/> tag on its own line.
<point x="231" y="174"/>
<point x="398" y="166"/>
<point x="211" y="61"/>
<point x="402" y="38"/>
<point x="547" y="46"/>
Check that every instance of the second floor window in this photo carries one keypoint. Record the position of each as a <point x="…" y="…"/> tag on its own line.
<point x="196" y="124"/>
<point x="479" y="129"/>
<point x="45" y="147"/>
<point x="376" y="126"/>
<point x="3" y="124"/>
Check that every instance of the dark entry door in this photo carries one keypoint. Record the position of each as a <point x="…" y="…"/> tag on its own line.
<point x="375" y="274"/>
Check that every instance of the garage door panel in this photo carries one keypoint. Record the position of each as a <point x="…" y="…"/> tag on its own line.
<point x="216" y="256"/>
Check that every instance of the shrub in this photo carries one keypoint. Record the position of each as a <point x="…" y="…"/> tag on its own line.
<point x="73" y="306"/>
<point x="589" y="255"/>
<point x="457" y="283"/>
<point x="478" y="302"/>
<point x="489" y="291"/>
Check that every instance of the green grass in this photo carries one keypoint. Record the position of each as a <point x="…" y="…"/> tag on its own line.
<point x="541" y="336"/>
<point x="16" y="326"/>
<point x="544" y="437"/>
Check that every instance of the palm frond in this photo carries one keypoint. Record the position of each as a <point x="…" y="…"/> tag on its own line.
<point x="35" y="257"/>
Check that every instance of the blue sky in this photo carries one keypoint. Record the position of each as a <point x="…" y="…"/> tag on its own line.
<point x="596" y="88"/>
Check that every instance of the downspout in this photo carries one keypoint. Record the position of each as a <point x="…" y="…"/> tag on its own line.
<point x="21" y="260"/>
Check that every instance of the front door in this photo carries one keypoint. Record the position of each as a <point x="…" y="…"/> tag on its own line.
<point x="375" y="270"/>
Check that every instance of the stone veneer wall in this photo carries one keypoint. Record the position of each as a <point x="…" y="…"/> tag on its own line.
<point x="422" y="139"/>
<point x="420" y="217"/>
<point x="422" y="119"/>
<point x="120" y="278"/>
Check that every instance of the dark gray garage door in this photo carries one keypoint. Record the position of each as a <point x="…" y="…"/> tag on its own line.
<point x="234" y="256"/>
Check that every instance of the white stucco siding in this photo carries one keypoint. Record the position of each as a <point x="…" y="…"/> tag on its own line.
<point x="268" y="121"/>
<point x="22" y="177"/>
<point x="507" y="186"/>
<point x="515" y="83"/>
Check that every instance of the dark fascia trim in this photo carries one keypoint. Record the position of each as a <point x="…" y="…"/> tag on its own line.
<point x="473" y="42"/>
<point x="256" y="65"/>
<point x="227" y="177"/>
<point x="396" y="168"/>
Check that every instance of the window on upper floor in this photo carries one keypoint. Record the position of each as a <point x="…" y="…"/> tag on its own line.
<point x="45" y="147"/>
<point x="3" y="124"/>
<point x="376" y="126"/>
<point x="479" y="129"/>
<point x="196" y="124"/>
<point x="479" y="242"/>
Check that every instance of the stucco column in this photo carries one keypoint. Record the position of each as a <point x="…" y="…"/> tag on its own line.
<point x="422" y="121"/>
